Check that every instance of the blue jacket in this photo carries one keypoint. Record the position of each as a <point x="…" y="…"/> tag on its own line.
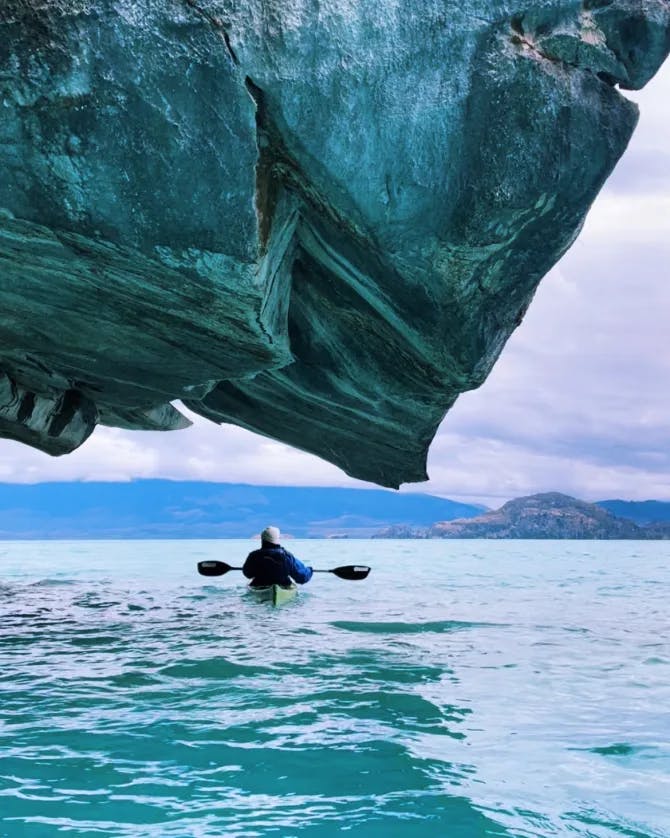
<point x="273" y="565"/>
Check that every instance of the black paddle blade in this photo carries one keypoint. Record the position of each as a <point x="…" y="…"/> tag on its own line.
<point x="351" y="571"/>
<point x="212" y="568"/>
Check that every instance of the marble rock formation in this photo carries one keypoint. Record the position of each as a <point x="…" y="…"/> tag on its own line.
<point x="317" y="219"/>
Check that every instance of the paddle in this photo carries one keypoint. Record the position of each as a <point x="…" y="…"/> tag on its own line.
<point x="349" y="571"/>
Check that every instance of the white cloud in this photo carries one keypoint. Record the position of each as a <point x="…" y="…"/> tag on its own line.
<point x="109" y="454"/>
<point x="204" y="452"/>
<point x="492" y="471"/>
<point x="653" y="128"/>
<point x="641" y="219"/>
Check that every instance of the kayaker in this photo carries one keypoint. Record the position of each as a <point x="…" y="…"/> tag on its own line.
<point x="273" y="565"/>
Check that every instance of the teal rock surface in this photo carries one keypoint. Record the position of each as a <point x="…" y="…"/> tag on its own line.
<point x="320" y="220"/>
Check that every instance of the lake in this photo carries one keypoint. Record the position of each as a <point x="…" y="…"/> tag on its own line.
<point x="464" y="689"/>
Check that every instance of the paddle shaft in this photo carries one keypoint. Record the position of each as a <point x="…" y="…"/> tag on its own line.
<point x="351" y="572"/>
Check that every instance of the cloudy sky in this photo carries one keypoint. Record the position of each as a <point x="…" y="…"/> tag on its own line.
<point x="577" y="403"/>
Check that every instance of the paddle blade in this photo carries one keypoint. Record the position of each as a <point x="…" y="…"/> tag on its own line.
<point x="351" y="571"/>
<point x="212" y="568"/>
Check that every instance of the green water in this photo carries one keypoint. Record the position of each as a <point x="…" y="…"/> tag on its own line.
<point x="464" y="689"/>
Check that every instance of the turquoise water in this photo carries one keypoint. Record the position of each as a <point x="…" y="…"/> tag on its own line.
<point x="464" y="689"/>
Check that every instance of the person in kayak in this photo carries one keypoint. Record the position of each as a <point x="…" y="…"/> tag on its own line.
<point x="273" y="565"/>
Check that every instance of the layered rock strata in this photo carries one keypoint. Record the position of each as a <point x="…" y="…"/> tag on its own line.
<point x="319" y="220"/>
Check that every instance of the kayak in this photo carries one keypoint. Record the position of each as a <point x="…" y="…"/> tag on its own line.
<point x="276" y="594"/>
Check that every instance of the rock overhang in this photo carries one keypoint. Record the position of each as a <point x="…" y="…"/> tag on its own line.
<point x="321" y="224"/>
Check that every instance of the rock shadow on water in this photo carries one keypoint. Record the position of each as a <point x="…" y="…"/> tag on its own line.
<point x="619" y="749"/>
<point x="133" y="679"/>
<point x="85" y="640"/>
<point x="364" y="666"/>
<point x="435" y="627"/>
<point x="52" y="583"/>
<point x="400" y="711"/>
<point x="607" y="821"/>
<point x="92" y="601"/>
<point x="211" y="669"/>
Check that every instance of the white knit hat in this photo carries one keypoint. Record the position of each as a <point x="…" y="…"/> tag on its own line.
<point x="271" y="534"/>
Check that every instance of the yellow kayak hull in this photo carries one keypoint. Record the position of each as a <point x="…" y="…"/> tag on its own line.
<point x="276" y="594"/>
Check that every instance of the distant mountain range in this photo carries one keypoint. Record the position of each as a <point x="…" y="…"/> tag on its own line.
<point x="550" y="515"/>
<point x="640" y="512"/>
<point x="189" y="509"/>
<point x="178" y="509"/>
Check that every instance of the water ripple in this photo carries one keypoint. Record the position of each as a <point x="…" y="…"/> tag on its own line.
<point x="517" y="703"/>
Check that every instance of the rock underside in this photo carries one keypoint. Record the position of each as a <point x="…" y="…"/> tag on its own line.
<point x="319" y="220"/>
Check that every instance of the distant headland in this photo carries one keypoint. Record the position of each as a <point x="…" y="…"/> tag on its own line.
<point x="553" y="515"/>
